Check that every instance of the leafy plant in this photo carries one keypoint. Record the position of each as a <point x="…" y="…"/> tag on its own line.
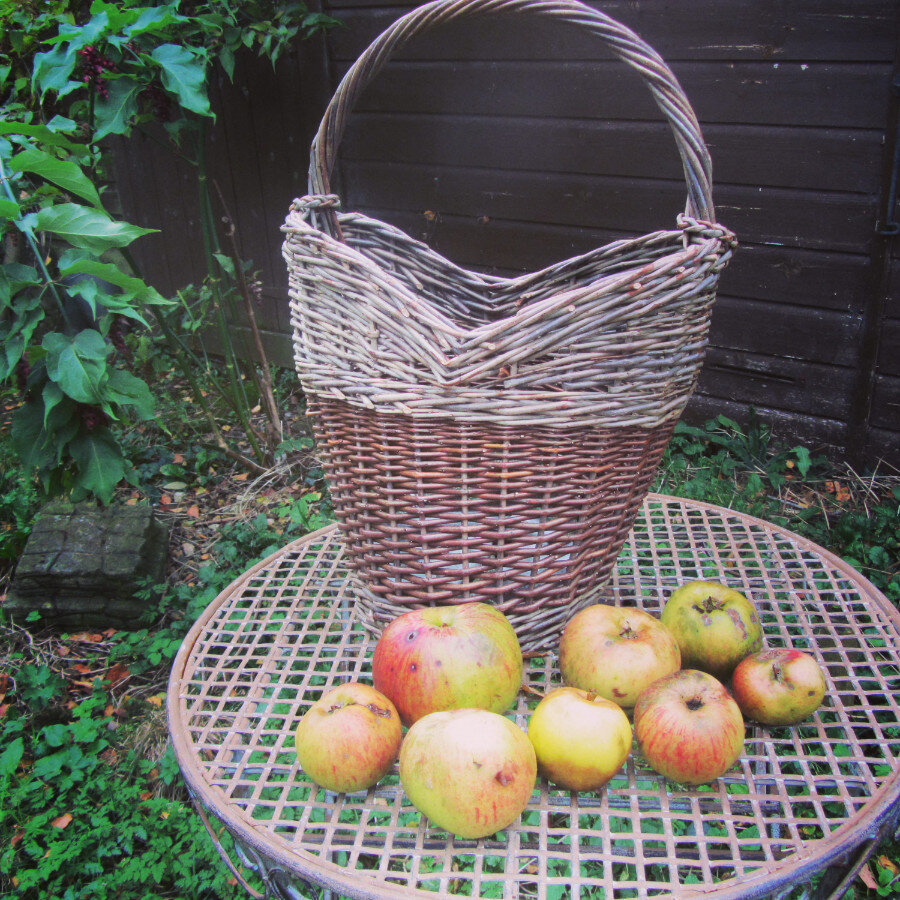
<point x="71" y="76"/>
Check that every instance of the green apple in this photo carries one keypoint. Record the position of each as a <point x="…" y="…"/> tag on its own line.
<point x="580" y="739"/>
<point x="715" y="626"/>
<point x="470" y="771"/>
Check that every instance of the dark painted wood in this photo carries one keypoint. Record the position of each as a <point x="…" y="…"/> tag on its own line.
<point x="786" y="157"/>
<point x="826" y="95"/>
<point x="832" y="221"/>
<point x="772" y="30"/>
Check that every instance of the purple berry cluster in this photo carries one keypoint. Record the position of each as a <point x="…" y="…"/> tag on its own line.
<point x="159" y="101"/>
<point x="93" y="67"/>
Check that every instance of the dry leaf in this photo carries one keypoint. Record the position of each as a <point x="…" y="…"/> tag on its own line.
<point x="62" y="821"/>
<point x="194" y="511"/>
<point x="241" y="477"/>
<point x="156" y="700"/>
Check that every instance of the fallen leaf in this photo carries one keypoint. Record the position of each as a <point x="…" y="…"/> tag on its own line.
<point x="110" y="632"/>
<point x="887" y="863"/>
<point x="178" y="458"/>
<point x="85" y="637"/>
<point x="16" y="839"/>
<point x="194" y="511"/>
<point x="117" y="673"/>
<point x="165" y="500"/>
<point x="62" y="821"/>
<point x="156" y="700"/>
<point x="241" y="477"/>
<point x="146" y="795"/>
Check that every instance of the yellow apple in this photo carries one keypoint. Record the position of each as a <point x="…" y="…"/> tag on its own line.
<point x="580" y="738"/>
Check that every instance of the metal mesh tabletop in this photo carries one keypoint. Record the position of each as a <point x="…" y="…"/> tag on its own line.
<point x="799" y="800"/>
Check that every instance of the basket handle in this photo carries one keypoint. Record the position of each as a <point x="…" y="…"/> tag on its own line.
<point x="623" y="42"/>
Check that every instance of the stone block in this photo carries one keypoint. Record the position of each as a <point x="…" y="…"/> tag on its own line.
<point x="83" y="566"/>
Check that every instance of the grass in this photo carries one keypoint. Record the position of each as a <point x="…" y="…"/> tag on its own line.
<point x="91" y="802"/>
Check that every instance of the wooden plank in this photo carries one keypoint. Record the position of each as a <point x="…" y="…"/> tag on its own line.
<point x="882" y="451"/>
<point x="801" y="333"/>
<point x="818" y="159"/>
<point x="886" y="404"/>
<point x="787" y="384"/>
<point x="698" y="29"/>
<point x="889" y="348"/>
<point x="833" y="221"/>
<point x="839" y="95"/>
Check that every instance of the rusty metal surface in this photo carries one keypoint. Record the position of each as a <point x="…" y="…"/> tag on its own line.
<point x="798" y="800"/>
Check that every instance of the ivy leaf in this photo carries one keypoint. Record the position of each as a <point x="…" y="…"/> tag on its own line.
<point x="62" y="172"/>
<point x="184" y="75"/>
<point x="77" y="365"/>
<point x="101" y="465"/>
<point x="9" y="209"/>
<point x="87" y="228"/>
<point x="113" y="113"/>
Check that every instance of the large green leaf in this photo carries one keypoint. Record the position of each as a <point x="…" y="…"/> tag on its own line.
<point x="126" y="389"/>
<point x="184" y="74"/>
<point x="9" y="209"/>
<point x="113" y="113"/>
<point x="101" y="465"/>
<point x="14" y="277"/>
<point x="44" y="133"/>
<point x="64" y="173"/>
<point x="77" y="365"/>
<point x="133" y="287"/>
<point x="51" y="71"/>
<point x="87" y="228"/>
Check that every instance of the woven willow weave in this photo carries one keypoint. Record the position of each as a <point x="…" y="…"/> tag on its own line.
<point x="492" y="438"/>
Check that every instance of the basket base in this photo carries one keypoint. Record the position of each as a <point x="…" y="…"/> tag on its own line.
<point x="530" y="520"/>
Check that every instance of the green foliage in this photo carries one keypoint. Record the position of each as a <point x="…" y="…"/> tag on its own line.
<point x="71" y="75"/>
<point x="72" y="826"/>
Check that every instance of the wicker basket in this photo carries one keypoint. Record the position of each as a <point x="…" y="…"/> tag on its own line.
<point x="488" y="438"/>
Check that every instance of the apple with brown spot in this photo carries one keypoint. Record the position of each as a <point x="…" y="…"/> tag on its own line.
<point x="715" y="626"/>
<point x="780" y="686"/>
<point x="448" y="657"/>
<point x="470" y="771"/>
<point x="688" y="727"/>
<point x="616" y="651"/>
<point x="349" y="738"/>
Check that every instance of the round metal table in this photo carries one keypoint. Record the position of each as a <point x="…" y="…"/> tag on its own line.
<point x="796" y="816"/>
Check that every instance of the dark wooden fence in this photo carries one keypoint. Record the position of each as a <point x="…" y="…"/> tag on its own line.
<point x="509" y="144"/>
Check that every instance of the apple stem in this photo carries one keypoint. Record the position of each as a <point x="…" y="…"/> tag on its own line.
<point x="591" y="696"/>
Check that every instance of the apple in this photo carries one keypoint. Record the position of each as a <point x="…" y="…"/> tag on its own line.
<point x="688" y="727"/>
<point x="580" y="738"/>
<point x="349" y="738"/>
<point x="715" y="626"/>
<point x="781" y="686"/>
<point x="470" y="771"/>
<point x="616" y="651"/>
<point x="448" y="657"/>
